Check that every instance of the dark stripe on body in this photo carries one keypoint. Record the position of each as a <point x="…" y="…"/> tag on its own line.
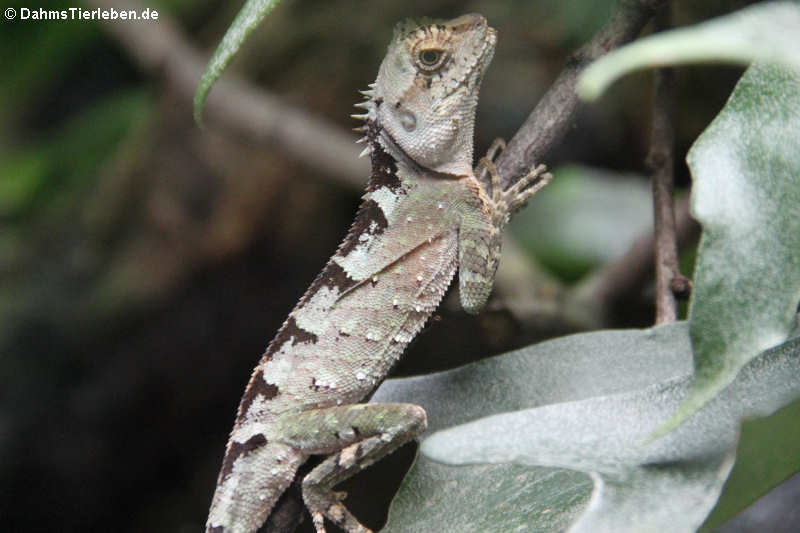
<point x="384" y="167"/>
<point x="257" y="387"/>
<point x="370" y="220"/>
<point x="238" y="449"/>
<point x="291" y="331"/>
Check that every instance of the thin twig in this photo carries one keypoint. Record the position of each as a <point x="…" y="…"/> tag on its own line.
<point x="659" y="161"/>
<point x="620" y="280"/>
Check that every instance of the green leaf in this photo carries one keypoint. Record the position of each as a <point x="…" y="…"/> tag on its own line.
<point x="746" y="170"/>
<point x="245" y="22"/>
<point x="585" y="403"/>
<point x="746" y="194"/>
<point x="487" y="498"/>
<point x="767" y="32"/>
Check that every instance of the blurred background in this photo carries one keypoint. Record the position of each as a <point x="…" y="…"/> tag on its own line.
<point x="145" y="263"/>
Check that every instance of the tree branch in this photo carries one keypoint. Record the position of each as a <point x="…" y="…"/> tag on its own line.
<point x="659" y="160"/>
<point x="660" y="163"/>
<point x="549" y="121"/>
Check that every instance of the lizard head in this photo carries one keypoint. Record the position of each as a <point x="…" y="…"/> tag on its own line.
<point x="426" y="93"/>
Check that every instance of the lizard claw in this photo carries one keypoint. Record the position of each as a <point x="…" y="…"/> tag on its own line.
<point x="319" y="522"/>
<point x="527" y="186"/>
<point x="486" y="163"/>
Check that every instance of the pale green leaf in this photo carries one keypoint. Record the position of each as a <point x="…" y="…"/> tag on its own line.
<point x="767" y="32"/>
<point x="487" y="499"/>
<point x="746" y="194"/>
<point x="245" y="22"/>
<point x="507" y="497"/>
<point x="585" y="403"/>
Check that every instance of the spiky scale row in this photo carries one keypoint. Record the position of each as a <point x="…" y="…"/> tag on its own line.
<point x="366" y="105"/>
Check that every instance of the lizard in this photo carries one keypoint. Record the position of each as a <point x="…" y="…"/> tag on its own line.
<point x="426" y="213"/>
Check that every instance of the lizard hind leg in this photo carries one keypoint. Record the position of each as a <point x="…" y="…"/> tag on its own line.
<point x="354" y="436"/>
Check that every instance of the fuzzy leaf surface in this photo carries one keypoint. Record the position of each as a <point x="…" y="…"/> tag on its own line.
<point x="767" y="32"/>
<point x="525" y="432"/>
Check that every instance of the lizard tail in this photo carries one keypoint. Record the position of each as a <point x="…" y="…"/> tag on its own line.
<point x="250" y="483"/>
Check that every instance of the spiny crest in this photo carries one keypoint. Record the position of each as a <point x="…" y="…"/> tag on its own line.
<point x="366" y="105"/>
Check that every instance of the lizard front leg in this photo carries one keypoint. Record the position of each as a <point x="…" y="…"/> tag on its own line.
<point x="356" y="436"/>
<point x="481" y="231"/>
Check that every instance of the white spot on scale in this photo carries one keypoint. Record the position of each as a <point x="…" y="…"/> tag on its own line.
<point x="361" y="376"/>
<point x="419" y="278"/>
<point x="373" y="334"/>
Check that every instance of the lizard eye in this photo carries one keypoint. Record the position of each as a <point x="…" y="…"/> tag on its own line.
<point x="430" y="59"/>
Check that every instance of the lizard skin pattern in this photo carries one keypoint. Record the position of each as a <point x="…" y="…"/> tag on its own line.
<point x="424" y="216"/>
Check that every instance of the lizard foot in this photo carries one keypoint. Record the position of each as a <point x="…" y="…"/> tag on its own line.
<point x="519" y="193"/>
<point x="512" y="199"/>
